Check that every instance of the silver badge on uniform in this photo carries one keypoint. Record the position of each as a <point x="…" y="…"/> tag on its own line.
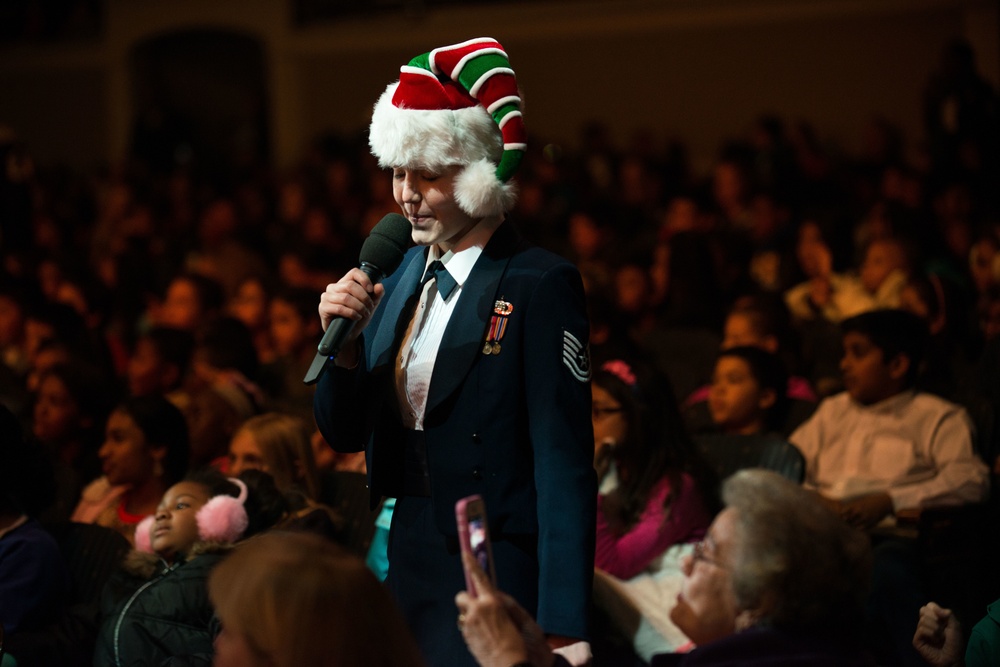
<point x="576" y="357"/>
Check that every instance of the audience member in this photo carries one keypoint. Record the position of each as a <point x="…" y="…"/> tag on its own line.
<point x="189" y="301"/>
<point x="761" y="321"/>
<point x="250" y="304"/>
<point x="34" y="581"/>
<point x="685" y="340"/>
<point x="160" y="364"/>
<point x="940" y="642"/>
<point x="778" y="579"/>
<point x="881" y="447"/>
<point x="279" y="445"/>
<point x="13" y="350"/>
<point x="219" y="253"/>
<point x="222" y="387"/>
<point x="157" y="607"/>
<point x="832" y="297"/>
<point x="295" y="333"/>
<point x="653" y="503"/>
<point x="949" y="360"/>
<point x="748" y="392"/>
<point x="70" y="409"/>
<point x="292" y="599"/>
<point x="50" y="353"/>
<point x="146" y="450"/>
<point x="882" y="451"/>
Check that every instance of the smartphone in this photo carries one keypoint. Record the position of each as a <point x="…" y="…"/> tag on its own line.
<point x="474" y="537"/>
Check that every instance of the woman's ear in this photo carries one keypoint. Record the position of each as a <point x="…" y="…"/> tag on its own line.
<point x="158" y="454"/>
<point x="899" y="366"/>
<point x="749" y="618"/>
<point x="768" y="398"/>
<point x="745" y="620"/>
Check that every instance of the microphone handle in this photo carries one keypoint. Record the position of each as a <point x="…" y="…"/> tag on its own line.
<point x="339" y="327"/>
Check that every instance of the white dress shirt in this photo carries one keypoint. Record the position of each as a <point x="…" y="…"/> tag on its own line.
<point x="914" y="446"/>
<point x="418" y="352"/>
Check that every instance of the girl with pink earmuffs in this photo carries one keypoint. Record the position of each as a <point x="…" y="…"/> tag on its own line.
<point x="157" y="606"/>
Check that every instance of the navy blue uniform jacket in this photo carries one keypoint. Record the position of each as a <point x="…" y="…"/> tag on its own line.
<point x="514" y="427"/>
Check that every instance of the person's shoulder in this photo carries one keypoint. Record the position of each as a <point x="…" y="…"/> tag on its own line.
<point x="984" y="639"/>
<point x="29" y="538"/>
<point x="540" y="258"/>
<point x="926" y="401"/>
<point x="993" y="612"/>
<point x="839" y="401"/>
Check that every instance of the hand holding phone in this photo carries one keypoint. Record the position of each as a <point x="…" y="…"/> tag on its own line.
<point x="474" y="537"/>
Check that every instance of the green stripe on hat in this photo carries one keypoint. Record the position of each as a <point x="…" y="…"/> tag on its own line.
<point x="476" y="67"/>
<point x="423" y="61"/>
<point x="508" y="164"/>
<point x="498" y="114"/>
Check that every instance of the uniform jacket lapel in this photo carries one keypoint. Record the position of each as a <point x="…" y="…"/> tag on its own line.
<point x="466" y="330"/>
<point x="387" y="338"/>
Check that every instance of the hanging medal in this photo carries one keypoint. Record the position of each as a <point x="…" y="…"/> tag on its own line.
<point x="498" y="326"/>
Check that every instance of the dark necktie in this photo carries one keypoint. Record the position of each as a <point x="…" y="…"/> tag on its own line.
<point x="445" y="283"/>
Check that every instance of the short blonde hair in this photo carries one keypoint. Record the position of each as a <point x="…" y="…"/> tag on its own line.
<point x="298" y="599"/>
<point x="284" y="442"/>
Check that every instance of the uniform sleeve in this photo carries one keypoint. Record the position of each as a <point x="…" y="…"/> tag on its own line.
<point x="557" y="386"/>
<point x="339" y="410"/>
<point x="658" y="529"/>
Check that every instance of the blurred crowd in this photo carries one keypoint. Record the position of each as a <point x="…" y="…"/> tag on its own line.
<point x="154" y="280"/>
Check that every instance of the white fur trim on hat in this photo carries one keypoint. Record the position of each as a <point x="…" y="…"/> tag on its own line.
<point x="402" y="137"/>
<point x="438" y="138"/>
<point x="480" y="194"/>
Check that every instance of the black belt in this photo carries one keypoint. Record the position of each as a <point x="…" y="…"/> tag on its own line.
<point x="416" y="479"/>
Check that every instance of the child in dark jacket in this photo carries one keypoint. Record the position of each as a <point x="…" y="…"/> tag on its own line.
<point x="156" y="611"/>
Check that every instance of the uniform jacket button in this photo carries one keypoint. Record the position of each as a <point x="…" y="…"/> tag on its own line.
<point x="477" y="473"/>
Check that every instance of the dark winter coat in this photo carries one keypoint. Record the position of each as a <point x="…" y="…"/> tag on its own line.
<point x="153" y="613"/>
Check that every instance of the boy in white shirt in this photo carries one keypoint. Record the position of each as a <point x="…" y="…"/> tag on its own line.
<point x="881" y="446"/>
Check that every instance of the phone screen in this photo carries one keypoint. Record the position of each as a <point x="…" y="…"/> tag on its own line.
<point x="474" y="536"/>
<point x="478" y="542"/>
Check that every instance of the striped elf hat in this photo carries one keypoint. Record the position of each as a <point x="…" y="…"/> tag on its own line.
<point x="457" y="105"/>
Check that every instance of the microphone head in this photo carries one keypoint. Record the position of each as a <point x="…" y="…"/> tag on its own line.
<point x="385" y="246"/>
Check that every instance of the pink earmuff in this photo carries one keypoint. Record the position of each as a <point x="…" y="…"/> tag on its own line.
<point x="223" y="518"/>
<point x="144" y="534"/>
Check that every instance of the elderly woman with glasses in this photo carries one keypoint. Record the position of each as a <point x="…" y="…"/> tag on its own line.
<point x="778" y="579"/>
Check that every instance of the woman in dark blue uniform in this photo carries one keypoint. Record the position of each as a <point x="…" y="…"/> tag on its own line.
<point x="474" y="379"/>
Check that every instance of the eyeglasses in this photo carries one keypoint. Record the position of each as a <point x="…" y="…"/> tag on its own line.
<point x="699" y="553"/>
<point x="599" y="411"/>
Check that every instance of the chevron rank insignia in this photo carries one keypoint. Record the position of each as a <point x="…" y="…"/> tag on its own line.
<point x="576" y="357"/>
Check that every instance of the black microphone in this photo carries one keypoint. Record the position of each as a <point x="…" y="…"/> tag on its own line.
<point x="381" y="254"/>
